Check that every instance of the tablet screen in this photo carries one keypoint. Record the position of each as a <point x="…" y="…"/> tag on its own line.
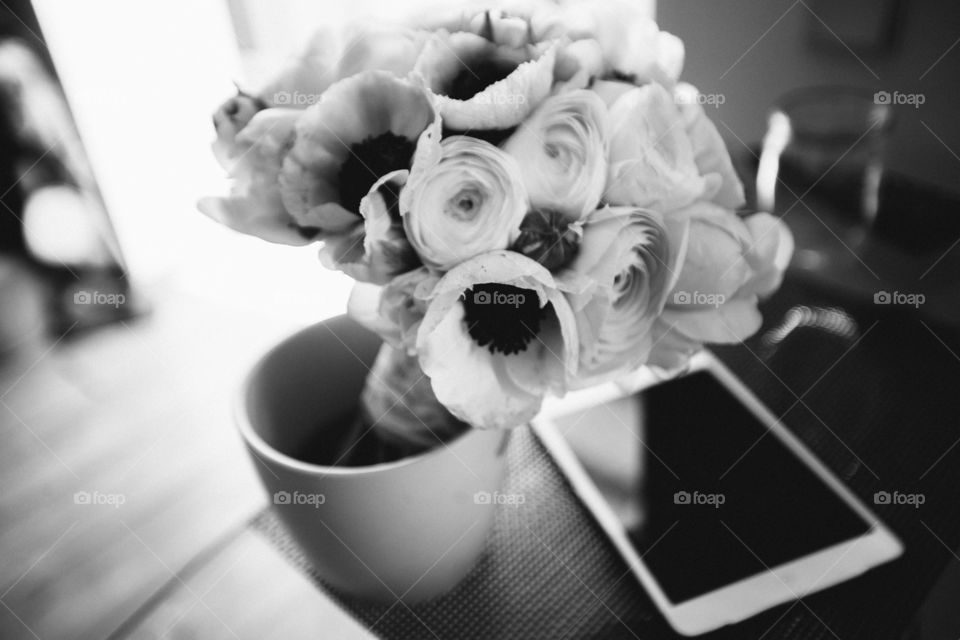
<point x="710" y="496"/>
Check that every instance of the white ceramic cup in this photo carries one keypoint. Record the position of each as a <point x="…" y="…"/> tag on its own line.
<point x="409" y="529"/>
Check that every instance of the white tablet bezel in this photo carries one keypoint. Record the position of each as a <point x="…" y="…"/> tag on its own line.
<point x="744" y="598"/>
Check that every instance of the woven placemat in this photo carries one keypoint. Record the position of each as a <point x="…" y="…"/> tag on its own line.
<point x="548" y="571"/>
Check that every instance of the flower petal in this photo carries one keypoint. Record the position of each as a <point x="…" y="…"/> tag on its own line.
<point x="628" y="254"/>
<point x="468" y="203"/>
<point x="382" y="47"/>
<point x="561" y="150"/>
<point x="651" y="158"/>
<point x="301" y="80"/>
<point x="503" y="267"/>
<point x="258" y="216"/>
<point x="710" y="151"/>
<point x="352" y="110"/>
<point x="255" y="206"/>
<point x="729" y="323"/>
<point x="468" y="379"/>
<point x="500" y="105"/>
<point x="377" y="250"/>
<point x="493" y="389"/>
<point x="769" y="254"/>
<point x="550" y="359"/>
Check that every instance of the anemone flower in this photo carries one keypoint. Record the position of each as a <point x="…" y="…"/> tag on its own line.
<point x="363" y="128"/>
<point x="496" y="337"/>
<point x="481" y="84"/>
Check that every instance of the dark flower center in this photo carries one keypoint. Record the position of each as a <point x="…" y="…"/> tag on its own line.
<point x="368" y="162"/>
<point x="620" y="76"/>
<point x="307" y="233"/>
<point x="474" y="78"/>
<point x="501" y="317"/>
<point x="546" y="236"/>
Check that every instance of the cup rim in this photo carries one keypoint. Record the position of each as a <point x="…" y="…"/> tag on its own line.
<point x="262" y="448"/>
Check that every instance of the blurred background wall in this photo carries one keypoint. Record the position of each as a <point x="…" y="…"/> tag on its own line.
<point x="753" y="51"/>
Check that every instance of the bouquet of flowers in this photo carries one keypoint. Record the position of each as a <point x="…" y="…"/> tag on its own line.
<point x="529" y="201"/>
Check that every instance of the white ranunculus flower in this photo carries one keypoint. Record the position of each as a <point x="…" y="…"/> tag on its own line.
<point x="562" y="152"/>
<point x="617" y="286"/>
<point x="462" y="202"/>
<point x="497" y="336"/>
<point x="652" y="160"/>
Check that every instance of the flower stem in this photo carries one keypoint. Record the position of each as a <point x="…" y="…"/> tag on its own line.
<point x="399" y="414"/>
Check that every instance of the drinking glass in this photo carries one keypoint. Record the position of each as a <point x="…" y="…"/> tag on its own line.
<point x="828" y="141"/>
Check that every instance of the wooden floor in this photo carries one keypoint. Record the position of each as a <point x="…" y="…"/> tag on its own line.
<point x="136" y="418"/>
